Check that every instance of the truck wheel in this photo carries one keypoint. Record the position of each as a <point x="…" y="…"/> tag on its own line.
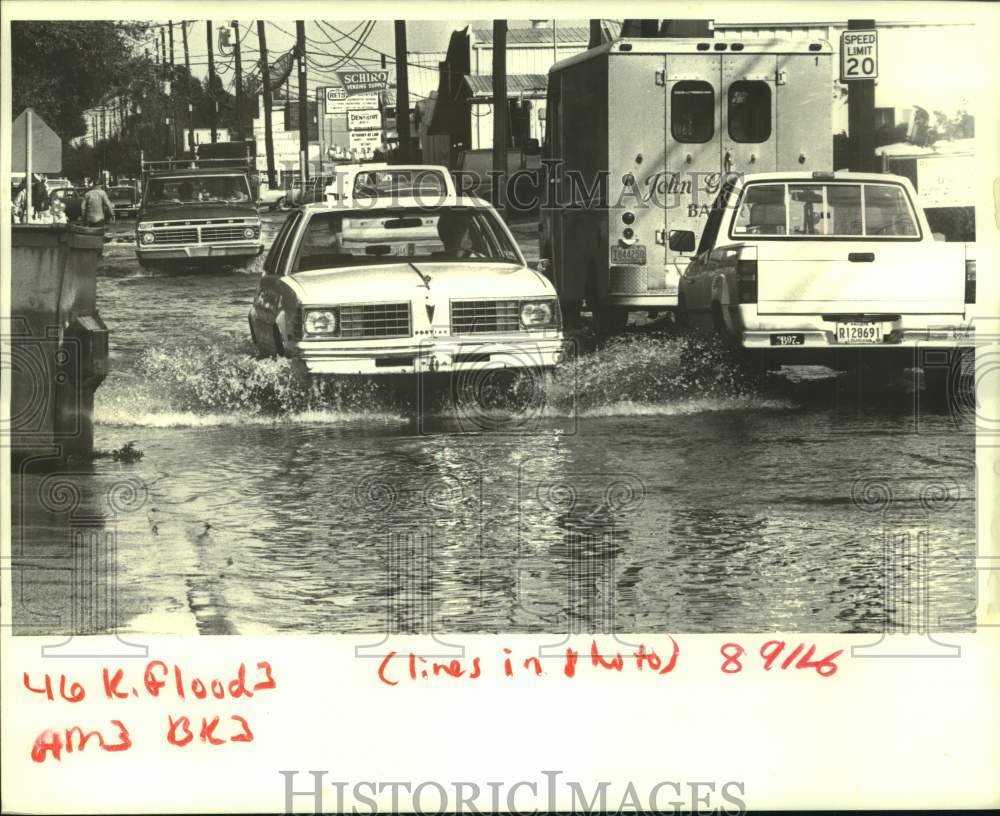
<point x="279" y="347"/>
<point x="719" y="324"/>
<point x="570" y="311"/>
<point x="610" y="320"/>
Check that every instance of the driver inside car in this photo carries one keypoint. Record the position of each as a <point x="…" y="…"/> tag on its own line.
<point x="455" y="230"/>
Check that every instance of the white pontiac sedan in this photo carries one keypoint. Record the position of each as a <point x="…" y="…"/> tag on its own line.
<point x="396" y="286"/>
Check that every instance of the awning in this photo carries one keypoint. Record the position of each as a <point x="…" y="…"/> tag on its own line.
<point x="531" y="86"/>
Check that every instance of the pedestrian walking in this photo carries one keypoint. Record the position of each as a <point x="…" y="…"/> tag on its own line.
<point x="97" y="205"/>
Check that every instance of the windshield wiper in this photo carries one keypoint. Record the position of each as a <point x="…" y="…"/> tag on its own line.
<point x="425" y="278"/>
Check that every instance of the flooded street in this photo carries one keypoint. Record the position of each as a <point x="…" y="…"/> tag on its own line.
<point x="638" y="492"/>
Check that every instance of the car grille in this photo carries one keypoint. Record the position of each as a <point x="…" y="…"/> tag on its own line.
<point x="223" y="234"/>
<point x="177" y="236"/>
<point x="484" y="316"/>
<point x="204" y="233"/>
<point x="375" y="320"/>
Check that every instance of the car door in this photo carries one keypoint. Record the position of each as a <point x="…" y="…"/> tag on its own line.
<point x="267" y="302"/>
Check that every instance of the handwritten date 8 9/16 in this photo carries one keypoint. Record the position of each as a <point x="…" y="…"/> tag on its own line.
<point x="775" y="654"/>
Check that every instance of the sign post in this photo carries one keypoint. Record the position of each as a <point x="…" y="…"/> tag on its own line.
<point x="859" y="68"/>
<point x="35" y="148"/>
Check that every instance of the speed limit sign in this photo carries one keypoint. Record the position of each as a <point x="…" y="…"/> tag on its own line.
<point x="858" y="55"/>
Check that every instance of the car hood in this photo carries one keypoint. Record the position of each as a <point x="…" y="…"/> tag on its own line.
<point x="197" y="212"/>
<point x="391" y="282"/>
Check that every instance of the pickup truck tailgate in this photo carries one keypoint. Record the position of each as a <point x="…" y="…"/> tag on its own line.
<point x="912" y="277"/>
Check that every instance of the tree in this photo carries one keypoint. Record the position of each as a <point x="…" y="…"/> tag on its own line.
<point x="61" y="68"/>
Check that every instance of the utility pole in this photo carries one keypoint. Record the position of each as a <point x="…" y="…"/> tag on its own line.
<point x="187" y="86"/>
<point x="237" y="56"/>
<point x="173" y="95"/>
<point x="499" y="111"/>
<point x="213" y="106"/>
<point x="596" y="35"/>
<point x="265" y="77"/>
<point x="300" y="50"/>
<point x="402" y="95"/>
<point x="861" y="115"/>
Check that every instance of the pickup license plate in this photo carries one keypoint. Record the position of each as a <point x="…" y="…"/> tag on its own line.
<point x="853" y="334"/>
<point x="634" y="255"/>
<point x="788" y="339"/>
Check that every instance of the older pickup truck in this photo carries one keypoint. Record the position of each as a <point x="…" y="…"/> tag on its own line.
<point x="814" y="267"/>
<point x="197" y="212"/>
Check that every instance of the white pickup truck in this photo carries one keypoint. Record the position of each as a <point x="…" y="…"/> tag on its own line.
<point x="796" y="267"/>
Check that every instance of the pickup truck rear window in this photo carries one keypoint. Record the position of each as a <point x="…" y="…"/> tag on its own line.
<point x="817" y="210"/>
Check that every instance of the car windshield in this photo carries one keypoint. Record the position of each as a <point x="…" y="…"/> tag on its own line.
<point x="122" y="194"/>
<point x="370" y="237"/>
<point x="197" y="189"/>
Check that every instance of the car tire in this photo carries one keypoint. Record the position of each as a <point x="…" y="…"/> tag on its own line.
<point x="279" y="347"/>
<point x="719" y="324"/>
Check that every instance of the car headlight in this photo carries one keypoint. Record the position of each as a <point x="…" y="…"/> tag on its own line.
<point x="147" y="237"/>
<point x="249" y="232"/>
<point x="321" y="321"/>
<point x="536" y="313"/>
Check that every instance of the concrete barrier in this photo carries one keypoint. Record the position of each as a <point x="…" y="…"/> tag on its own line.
<point x="59" y="343"/>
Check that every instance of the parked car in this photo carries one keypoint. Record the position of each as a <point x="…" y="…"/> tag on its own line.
<point x="798" y="266"/>
<point x="52" y="184"/>
<point x="273" y="198"/>
<point x="125" y="200"/>
<point x="396" y="290"/>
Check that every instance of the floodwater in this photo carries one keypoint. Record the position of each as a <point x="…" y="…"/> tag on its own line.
<point x="650" y="486"/>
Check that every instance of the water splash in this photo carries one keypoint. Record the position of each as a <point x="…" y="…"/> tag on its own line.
<point x="655" y="371"/>
<point x="225" y="383"/>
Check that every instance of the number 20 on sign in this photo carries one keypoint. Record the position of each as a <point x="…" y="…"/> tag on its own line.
<point x="858" y="54"/>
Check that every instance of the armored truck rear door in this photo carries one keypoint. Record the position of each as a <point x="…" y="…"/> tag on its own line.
<point x="749" y="140"/>
<point x="635" y="161"/>
<point x="803" y="112"/>
<point x="693" y="139"/>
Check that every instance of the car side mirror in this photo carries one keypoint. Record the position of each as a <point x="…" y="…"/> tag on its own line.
<point x="681" y="240"/>
<point x="543" y="265"/>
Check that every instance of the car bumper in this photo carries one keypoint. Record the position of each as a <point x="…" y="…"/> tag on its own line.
<point x="814" y="332"/>
<point x="643" y="301"/>
<point x="196" y="251"/>
<point x="438" y="356"/>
